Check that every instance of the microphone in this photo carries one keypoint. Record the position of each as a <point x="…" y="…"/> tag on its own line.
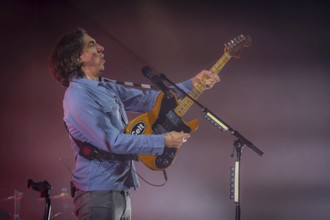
<point x="156" y="79"/>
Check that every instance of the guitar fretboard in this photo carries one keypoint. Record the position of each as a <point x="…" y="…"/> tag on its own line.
<point x="198" y="89"/>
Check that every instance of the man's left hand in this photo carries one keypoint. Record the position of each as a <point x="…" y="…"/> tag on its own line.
<point x="209" y="78"/>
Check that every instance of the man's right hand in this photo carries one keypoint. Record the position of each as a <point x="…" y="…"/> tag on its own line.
<point x="175" y="139"/>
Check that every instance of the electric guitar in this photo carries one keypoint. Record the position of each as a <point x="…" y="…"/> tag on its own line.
<point x="167" y="113"/>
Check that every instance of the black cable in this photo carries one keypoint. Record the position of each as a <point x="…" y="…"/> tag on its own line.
<point x="146" y="181"/>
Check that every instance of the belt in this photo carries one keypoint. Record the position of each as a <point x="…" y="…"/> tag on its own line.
<point x="74" y="189"/>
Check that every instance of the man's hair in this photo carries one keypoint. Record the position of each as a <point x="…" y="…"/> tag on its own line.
<point x="65" y="58"/>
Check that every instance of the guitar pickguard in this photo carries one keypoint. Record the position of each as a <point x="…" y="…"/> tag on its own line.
<point x="168" y="121"/>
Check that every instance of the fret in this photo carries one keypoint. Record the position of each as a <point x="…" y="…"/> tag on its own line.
<point x="194" y="93"/>
<point x="217" y="67"/>
<point x="198" y="89"/>
<point x="183" y="106"/>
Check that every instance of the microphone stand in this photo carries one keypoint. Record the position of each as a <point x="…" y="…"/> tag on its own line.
<point x="239" y="143"/>
<point x="44" y="189"/>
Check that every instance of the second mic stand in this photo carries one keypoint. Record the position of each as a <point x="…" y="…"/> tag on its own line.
<point x="44" y="189"/>
<point x="239" y="143"/>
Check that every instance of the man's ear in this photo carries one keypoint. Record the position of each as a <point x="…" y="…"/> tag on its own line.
<point x="81" y="59"/>
<point x="83" y="56"/>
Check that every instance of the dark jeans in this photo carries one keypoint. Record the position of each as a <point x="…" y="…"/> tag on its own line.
<point x="102" y="205"/>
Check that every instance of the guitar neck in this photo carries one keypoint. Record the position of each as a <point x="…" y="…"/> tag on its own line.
<point x="198" y="89"/>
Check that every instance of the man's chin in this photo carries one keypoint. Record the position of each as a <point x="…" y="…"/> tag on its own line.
<point x="101" y="69"/>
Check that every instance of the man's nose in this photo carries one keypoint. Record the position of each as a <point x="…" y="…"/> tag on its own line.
<point x="100" y="48"/>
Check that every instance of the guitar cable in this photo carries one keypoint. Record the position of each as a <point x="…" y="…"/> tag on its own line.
<point x="65" y="162"/>
<point x="144" y="180"/>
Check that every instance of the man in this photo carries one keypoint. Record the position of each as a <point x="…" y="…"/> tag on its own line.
<point x="94" y="113"/>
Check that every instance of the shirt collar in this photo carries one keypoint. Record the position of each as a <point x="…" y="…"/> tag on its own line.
<point x="90" y="82"/>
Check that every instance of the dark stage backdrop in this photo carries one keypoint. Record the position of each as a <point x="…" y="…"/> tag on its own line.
<point x="276" y="94"/>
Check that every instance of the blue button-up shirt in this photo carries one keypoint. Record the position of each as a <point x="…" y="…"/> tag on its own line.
<point x="94" y="112"/>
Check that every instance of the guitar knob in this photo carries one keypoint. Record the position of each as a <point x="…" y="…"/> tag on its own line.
<point x="165" y="162"/>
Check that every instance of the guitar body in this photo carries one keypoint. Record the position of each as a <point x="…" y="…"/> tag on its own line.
<point x="161" y="119"/>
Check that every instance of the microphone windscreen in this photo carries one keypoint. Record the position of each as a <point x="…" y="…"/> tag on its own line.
<point x="146" y="71"/>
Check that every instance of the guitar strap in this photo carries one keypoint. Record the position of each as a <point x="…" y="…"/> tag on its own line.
<point x="91" y="152"/>
<point x="132" y="84"/>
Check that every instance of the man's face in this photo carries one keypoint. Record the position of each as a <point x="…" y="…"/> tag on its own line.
<point x="92" y="57"/>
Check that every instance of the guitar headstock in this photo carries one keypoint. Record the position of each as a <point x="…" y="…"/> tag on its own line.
<point x="235" y="46"/>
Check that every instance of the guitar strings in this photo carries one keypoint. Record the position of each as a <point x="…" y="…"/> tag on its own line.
<point x="167" y="124"/>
